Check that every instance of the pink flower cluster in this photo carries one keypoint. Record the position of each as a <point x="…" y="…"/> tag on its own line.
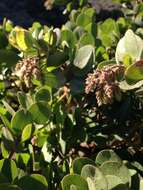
<point x="27" y="69"/>
<point x="105" y="84"/>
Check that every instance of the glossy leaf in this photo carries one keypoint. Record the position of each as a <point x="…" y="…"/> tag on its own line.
<point x="106" y="155"/>
<point x="83" y="56"/>
<point x="74" y="180"/>
<point x="94" y="176"/>
<point x="118" y="169"/>
<point x="115" y="183"/>
<point x="34" y="181"/>
<point x="86" y="39"/>
<point x="134" y="73"/>
<point x="24" y="39"/>
<point x="131" y="45"/>
<point x="78" y="164"/>
<point x="9" y="169"/>
<point x="9" y="108"/>
<point x="8" y="139"/>
<point x="68" y="38"/>
<point x="83" y="20"/>
<point x="20" y="120"/>
<point x="27" y="132"/>
<point x="40" y="112"/>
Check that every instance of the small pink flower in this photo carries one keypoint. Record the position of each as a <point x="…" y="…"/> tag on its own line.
<point x="26" y="69"/>
<point x="105" y="84"/>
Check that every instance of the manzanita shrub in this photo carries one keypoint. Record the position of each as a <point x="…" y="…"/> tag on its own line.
<point x="107" y="172"/>
<point x="69" y="95"/>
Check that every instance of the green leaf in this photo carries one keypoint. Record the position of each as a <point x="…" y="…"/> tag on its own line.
<point x="34" y="181"/>
<point x="24" y="99"/>
<point x="108" y="32"/>
<point x="137" y="165"/>
<point x="83" y="20"/>
<point x="47" y="153"/>
<point x="135" y="180"/>
<point x="105" y="63"/>
<point x="122" y="23"/>
<point x="5" y="120"/>
<point x="134" y="73"/>
<point x="8" y="25"/>
<point x="91" y="28"/>
<point x="50" y="37"/>
<point x="8" y="139"/>
<point x="115" y="183"/>
<point x="106" y="155"/>
<point x="106" y="40"/>
<point x="125" y="86"/>
<point x="131" y="45"/>
<point x="9" y="169"/>
<point x="20" y="120"/>
<point x="94" y="177"/>
<point x="68" y="39"/>
<point x="43" y="94"/>
<point x="90" y="12"/>
<point x="110" y="27"/>
<point x="22" y="158"/>
<point x="86" y="39"/>
<point x="69" y="181"/>
<point x="8" y="57"/>
<point x="69" y="26"/>
<point x="5" y="153"/>
<point x="139" y="19"/>
<point x="127" y="60"/>
<point x="73" y="15"/>
<point x="78" y="164"/>
<point x="117" y="169"/>
<point x="8" y="107"/>
<point x="50" y="79"/>
<point x="83" y="56"/>
<point x="27" y="132"/>
<point x="141" y="184"/>
<point x="57" y="59"/>
<point x="24" y="39"/>
<point x="40" y="112"/>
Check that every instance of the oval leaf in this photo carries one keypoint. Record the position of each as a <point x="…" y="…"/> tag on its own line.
<point x="118" y="169"/>
<point x="9" y="169"/>
<point x="34" y="181"/>
<point x="40" y="112"/>
<point x="131" y="45"/>
<point x="20" y="120"/>
<point x="83" y="56"/>
<point x="78" y="164"/>
<point x="74" y="180"/>
<point x="26" y="133"/>
<point x="134" y="73"/>
<point x="97" y="179"/>
<point x="107" y="155"/>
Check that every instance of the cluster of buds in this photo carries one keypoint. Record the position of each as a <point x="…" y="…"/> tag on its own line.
<point x="27" y="69"/>
<point x="105" y="84"/>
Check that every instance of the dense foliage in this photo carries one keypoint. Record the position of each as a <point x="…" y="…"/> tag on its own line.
<point x="71" y="102"/>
